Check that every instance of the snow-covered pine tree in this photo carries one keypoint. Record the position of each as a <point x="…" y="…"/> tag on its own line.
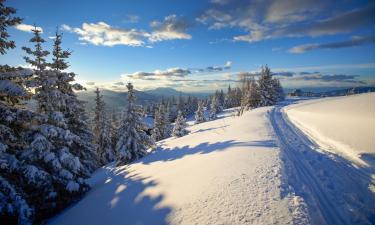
<point x="199" y="114"/>
<point x="133" y="141"/>
<point x="278" y="89"/>
<point x="180" y="125"/>
<point x="53" y="147"/>
<point x="214" y="107"/>
<point x="73" y="109"/>
<point x="114" y="127"/>
<point x="159" y="129"/>
<point x="166" y="121"/>
<point x="102" y="131"/>
<point x="250" y="95"/>
<point x="15" y="206"/>
<point x="266" y="87"/>
<point x="7" y="19"/>
<point x="221" y="100"/>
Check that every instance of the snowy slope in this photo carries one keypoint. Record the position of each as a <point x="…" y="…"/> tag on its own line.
<point x="226" y="171"/>
<point x="343" y="125"/>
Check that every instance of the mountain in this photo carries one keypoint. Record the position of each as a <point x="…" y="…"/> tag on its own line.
<point x="116" y="100"/>
<point x="162" y="91"/>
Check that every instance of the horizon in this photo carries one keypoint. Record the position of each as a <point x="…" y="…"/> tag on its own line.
<point x="203" y="46"/>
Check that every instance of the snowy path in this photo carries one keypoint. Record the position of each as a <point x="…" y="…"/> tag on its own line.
<point x="334" y="190"/>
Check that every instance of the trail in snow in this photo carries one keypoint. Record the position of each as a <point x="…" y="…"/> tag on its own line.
<point x="334" y="190"/>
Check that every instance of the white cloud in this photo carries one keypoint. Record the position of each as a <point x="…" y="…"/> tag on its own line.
<point x="27" y="28"/>
<point x="355" y="41"/>
<point x="158" y="74"/>
<point x="171" y="28"/>
<point x="103" y="34"/>
<point x="66" y="27"/>
<point x="285" y="18"/>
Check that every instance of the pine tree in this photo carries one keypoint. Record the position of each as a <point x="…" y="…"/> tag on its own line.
<point x="250" y="95"/>
<point x="7" y="19"/>
<point x="199" y="114"/>
<point x="214" y="107"/>
<point x="159" y="129"/>
<point x="266" y="90"/>
<point x="133" y="142"/>
<point x="73" y="109"/>
<point x="15" y="206"/>
<point x="278" y="89"/>
<point x="102" y="131"/>
<point x="180" y="125"/>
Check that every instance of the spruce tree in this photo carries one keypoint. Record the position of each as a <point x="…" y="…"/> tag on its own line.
<point x="7" y="19"/>
<point x="159" y="128"/>
<point x="102" y="131"/>
<point x="199" y="114"/>
<point x="180" y="125"/>
<point x="267" y="91"/>
<point x="214" y="107"/>
<point x="133" y="142"/>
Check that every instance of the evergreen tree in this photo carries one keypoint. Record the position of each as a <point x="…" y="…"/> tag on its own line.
<point x="102" y="131"/>
<point x="133" y="142"/>
<point x="250" y="95"/>
<point x="214" y="107"/>
<point x="159" y="129"/>
<point x="267" y="91"/>
<point x="180" y="125"/>
<point x="7" y="19"/>
<point x="199" y="114"/>
<point x="15" y="206"/>
<point x="278" y="89"/>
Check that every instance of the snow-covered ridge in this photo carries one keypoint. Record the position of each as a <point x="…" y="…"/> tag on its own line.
<point x="342" y="125"/>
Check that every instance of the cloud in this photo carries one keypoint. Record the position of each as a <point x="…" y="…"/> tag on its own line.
<point x="27" y="28"/>
<point x="158" y="74"/>
<point x="262" y="20"/>
<point x="226" y="66"/>
<point x="90" y="83"/>
<point x="282" y="11"/>
<point x="171" y="28"/>
<point x="355" y="41"/>
<point x="66" y="27"/>
<point x="175" y="73"/>
<point x="119" y="83"/>
<point x="103" y="34"/>
<point x="316" y="78"/>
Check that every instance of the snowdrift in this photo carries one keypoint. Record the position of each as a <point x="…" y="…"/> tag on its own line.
<point x="342" y="125"/>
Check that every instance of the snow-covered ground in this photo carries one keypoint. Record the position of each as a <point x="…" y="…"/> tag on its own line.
<point x="259" y="168"/>
<point x="342" y="125"/>
<point x="225" y="171"/>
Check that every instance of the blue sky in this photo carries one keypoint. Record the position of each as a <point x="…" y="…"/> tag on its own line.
<point x="204" y="45"/>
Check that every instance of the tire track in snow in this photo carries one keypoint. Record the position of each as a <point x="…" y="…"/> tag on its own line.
<point x="328" y="184"/>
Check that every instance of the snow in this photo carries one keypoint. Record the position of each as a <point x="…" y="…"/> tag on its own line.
<point x="342" y="125"/>
<point x="334" y="191"/>
<point x="226" y="171"/>
<point x="264" y="167"/>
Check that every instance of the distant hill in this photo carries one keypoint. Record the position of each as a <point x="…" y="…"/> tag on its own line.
<point x="117" y="100"/>
<point x="330" y="93"/>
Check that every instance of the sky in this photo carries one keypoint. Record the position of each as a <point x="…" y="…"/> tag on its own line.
<point x="200" y="46"/>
